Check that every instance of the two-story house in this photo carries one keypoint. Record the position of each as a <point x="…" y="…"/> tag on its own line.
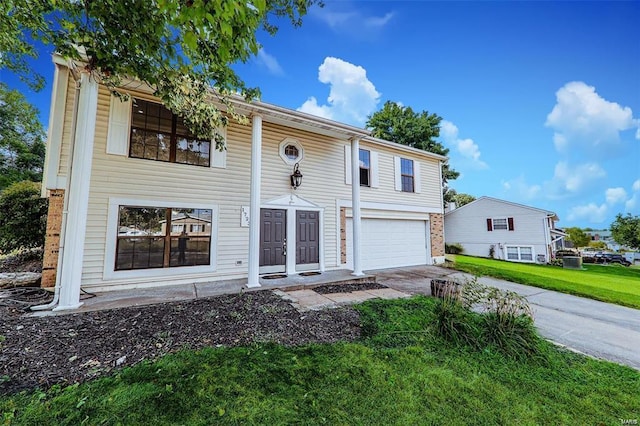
<point x="137" y="201"/>
<point x="489" y="227"/>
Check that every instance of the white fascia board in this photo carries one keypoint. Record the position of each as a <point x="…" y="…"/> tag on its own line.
<point x="404" y="148"/>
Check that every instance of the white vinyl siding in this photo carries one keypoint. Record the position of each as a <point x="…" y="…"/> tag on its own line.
<point x="323" y="167"/>
<point x="469" y="226"/>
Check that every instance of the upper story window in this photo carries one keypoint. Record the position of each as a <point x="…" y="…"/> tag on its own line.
<point x="158" y="134"/>
<point x="291" y="151"/>
<point x="500" y="223"/>
<point x="365" y="168"/>
<point x="407" y="176"/>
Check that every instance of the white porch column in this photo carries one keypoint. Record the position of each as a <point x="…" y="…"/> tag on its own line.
<point x="254" y="209"/>
<point x="355" y="204"/>
<point x="78" y="193"/>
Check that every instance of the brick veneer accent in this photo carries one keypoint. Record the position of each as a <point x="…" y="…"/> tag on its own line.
<point x="436" y="223"/>
<point x="52" y="238"/>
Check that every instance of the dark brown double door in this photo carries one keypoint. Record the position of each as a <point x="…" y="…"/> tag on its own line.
<point x="273" y="240"/>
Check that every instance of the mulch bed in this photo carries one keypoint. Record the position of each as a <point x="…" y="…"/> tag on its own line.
<point x="347" y="288"/>
<point x="37" y="352"/>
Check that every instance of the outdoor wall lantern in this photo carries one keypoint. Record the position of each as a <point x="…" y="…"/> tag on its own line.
<point x="296" y="177"/>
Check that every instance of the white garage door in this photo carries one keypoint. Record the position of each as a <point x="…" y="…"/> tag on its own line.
<point x="389" y="243"/>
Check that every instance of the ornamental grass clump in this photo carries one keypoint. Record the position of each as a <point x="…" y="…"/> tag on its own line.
<point x="486" y="317"/>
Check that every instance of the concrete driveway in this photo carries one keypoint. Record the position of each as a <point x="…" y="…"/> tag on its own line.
<point x="598" y="329"/>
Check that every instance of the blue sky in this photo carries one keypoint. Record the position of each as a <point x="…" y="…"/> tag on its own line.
<point x="540" y="100"/>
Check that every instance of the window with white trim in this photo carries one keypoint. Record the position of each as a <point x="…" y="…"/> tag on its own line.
<point x="158" y="134"/>
<point x="520" y="253"/>
<point x="159" y="243"/>
<point x="406" y="172"/>
<point x="365" y="167"/>
<point x="291" y="151"/>
<point x="500" y="223"/>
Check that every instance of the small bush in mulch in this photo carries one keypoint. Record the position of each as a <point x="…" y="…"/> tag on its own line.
<point x="347" y="288"/>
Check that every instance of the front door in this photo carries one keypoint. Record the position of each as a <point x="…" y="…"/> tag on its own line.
<point x="307" y="240"/>
<point x="273" y="240"/>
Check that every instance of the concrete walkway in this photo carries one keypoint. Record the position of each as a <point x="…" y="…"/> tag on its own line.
<point x="598" y="329"/>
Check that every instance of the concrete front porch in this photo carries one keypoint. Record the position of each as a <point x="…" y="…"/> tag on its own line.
<point x="174" y="293"/>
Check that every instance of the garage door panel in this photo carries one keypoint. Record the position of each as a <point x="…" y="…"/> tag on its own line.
<point x="388" y="243"/>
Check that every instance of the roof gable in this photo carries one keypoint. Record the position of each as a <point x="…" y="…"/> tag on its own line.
<point x="483" y="199"/>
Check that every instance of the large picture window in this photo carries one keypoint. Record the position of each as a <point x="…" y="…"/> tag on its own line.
<point x="158" y="134"/>
<point x="158" y="237"/>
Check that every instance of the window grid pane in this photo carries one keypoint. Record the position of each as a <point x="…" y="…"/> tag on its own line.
<point x="154" y="129"/>
<point x="143" y="234"/>
<point x="365" y="167"/>
<point x="406" y="172"/>
<point x="500" y="224"/>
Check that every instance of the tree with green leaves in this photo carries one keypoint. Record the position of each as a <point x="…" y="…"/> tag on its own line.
<point x="577" y="237"/>
<point x="403" y="125"/>
<point x="462" y="199"/>
<point x="180" y="48"/>
<point x="625" y="230"/>
<point x="21" y="139"/>
<point x="23" y="216"/>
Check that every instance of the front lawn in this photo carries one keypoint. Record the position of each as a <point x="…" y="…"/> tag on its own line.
<point x="608" y="283"/>
<point x="401" y="372"/>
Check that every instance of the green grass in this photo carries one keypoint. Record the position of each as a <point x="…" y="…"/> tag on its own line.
<point x="608" y="283"/>
<point x="400" y="373"/>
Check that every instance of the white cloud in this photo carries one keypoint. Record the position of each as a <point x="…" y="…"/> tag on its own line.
<point x="584" y="119"/>
<point x="342" y="18"/>
<point x="521" y="189"/>
<point x="467" y="148"/>
<point x="615" y="195"/>
<point x="270" y="62"/>
<point x="631" y="203"/>
<point x="570" y="180"/>
<point x="378" y="21"/>
<point x="636" y="185"/>
<point x="591" y="212"/>
<point x="352" y="97"/>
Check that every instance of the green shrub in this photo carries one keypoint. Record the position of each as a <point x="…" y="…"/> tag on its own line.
<point x="453" y="248"/>
<point x="23" y="216"/>
<point x="484" y="317"/>
<point x="456" y="323"/>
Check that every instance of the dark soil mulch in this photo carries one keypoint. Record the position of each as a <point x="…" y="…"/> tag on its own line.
<point x="347" y="288"/>
<point x="37" y="352"/>
<point x="25" y="261"/>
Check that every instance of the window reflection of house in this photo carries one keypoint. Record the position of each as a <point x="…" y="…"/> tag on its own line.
<point x="190" y="225"/>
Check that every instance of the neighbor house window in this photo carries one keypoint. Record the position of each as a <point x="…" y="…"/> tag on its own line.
<point x="520" y="253"/>
<point x="365" y="167"/>
<point x="144" y="240"/>
<point x="500" y="223"/>
<point x="158" y="134"/>
<point x="406" y="173"/>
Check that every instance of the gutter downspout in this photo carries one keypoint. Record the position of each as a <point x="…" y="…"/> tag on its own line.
<point x="65" y="205"/>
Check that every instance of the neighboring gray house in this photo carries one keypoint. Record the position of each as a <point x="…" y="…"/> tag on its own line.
<point x="490" y="227"/>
